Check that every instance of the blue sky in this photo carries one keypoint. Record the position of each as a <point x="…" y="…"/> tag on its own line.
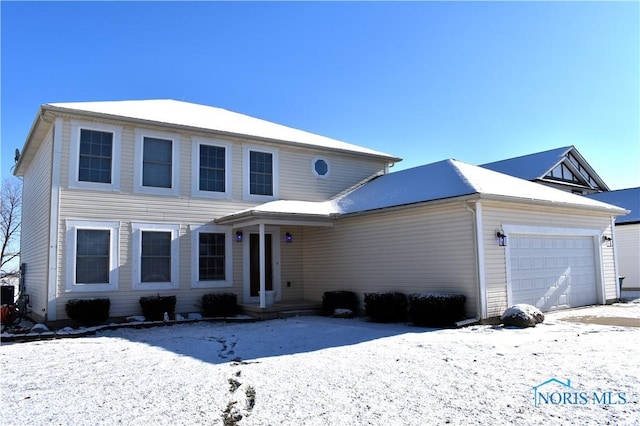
<point x="425" y="81"/>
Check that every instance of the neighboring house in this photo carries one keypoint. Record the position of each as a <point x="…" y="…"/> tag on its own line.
<point x="626" y="235"/>
<point x="135" y="198"/>
<point x="562" y="168"/>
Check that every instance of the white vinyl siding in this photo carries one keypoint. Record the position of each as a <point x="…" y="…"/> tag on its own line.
<point x="76" y="178"/>
<point x="73" y="281"/>
<point x="34" y="234"/>
<point x="497" y="214"/>
<point x="417" y="249"/>
<point x="627" y="240"/>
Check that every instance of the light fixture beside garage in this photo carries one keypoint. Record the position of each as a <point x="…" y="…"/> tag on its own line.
<point x="607" y="240"/>
<point x="502" y="238"/>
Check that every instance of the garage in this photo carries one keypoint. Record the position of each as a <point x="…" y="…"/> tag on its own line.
<point x="552" y="271"/>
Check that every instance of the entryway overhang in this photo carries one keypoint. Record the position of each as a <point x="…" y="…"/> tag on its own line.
<point x="278" y="213"/>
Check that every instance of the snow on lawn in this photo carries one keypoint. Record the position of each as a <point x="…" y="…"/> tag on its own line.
<point x="325" y="371"/>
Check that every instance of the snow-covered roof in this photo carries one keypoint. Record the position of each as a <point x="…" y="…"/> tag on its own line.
<point x="431" y="182"/>
<point x="531" y="166"/>
<point x="626" y="198"/>
<point x="168" y="111"/>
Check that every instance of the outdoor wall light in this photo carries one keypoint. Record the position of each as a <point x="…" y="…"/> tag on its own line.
<point x="502" y="238"/>
<point x="607" y="240"/>
<point x="238" y="236"/>
<point x="288" y="238"/>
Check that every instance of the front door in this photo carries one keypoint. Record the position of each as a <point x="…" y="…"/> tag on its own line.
<point x="254" y="260"/>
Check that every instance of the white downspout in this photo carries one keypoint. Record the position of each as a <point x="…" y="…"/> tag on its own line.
<point x="54" y="217"/>
<point x="263" y="297"/>
<point x="615" y="261"/>
<point x="482" y="281"/>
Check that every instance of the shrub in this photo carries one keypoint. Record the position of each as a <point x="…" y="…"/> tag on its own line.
<point x="436" y="309"/>
<point x="219" y="304"/>
<point x="386" y="307"/>
<point x="332" y="300"/>
<point x="154" y="307"/>
<point x="88" y="311"/>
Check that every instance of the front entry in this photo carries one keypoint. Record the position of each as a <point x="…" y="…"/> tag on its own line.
<point x="254" y="262"/>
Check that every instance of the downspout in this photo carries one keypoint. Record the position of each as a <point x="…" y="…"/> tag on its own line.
<point x="479" y="266"/>
<point x="54" y="217"/>
<point x="615" y="261"/>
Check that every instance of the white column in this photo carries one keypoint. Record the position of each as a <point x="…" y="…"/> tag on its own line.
<point x="263" y="289"/>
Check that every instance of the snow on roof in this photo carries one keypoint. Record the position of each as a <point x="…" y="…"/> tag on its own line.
<point x="626" y="198"/>
<point x="436" y="181"/>
<point x="529" y="167"/>
<point x="212" y="118"/>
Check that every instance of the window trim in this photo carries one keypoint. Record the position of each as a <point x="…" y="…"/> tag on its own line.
<point x="72" y="227"/>
<point x="136" y="237"/>
<point x="247" y="149"/>
<point x="196" y="230"/>
<point x="140" y="134"/>
<point x="313" y="167"/>
<point x="195" y="167"/>
<point x="74" y="155"/>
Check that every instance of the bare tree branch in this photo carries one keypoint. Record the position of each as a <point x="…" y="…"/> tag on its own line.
<point x="10" y="221"/>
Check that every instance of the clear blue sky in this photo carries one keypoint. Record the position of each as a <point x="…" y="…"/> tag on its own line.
<point x="425" y="81"/>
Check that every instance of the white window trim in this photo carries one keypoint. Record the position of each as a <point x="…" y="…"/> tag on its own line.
<point x="247" y="172"/>
<point x="74" y="156"/>
<point x="140" y="134"/>
<point x="72" y="227"/>
<point x="195" y="167"/>
<point x="195" y="256"/>
<point x="313" y="167"/>
<point x="137" y="229"/>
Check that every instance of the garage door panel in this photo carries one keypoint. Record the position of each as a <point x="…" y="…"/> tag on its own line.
<point x="553" y="272"/>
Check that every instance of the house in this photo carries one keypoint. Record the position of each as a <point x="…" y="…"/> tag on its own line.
<point x="626" y="235"/>
<point x="562" y="168"/>
<point x="136" y="198"/>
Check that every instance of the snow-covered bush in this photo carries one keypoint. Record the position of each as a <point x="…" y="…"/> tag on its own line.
<point x="386" y="307"/>
<point x="154" y="307"/>
<point x="522" y="315"/>
<point x="219" y="304"/>
<point x="436" y="309"/>
<point x="332" y="300"/>
<point x="88" y="311"/>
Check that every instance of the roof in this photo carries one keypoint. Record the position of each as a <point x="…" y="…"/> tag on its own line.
<point x="168" y="111"/>
<point x="626" y="198"/>
<point x="437" y="181"/>
<point x="538" y="165"/>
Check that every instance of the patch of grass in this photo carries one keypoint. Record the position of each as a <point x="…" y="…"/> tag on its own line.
<point x="251" y="397"/>
<point x="234" y="385"/>
<point x="230" y="415"/>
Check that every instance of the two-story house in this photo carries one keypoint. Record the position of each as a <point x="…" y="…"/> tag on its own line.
<point x="134" y="198"/>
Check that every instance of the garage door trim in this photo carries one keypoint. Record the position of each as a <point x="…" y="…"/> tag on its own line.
<point x="510" y="230"/>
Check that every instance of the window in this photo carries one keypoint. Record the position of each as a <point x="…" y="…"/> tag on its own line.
<point x="320" y="167"/>
<point x="155" y="260"/>
<point x="94" y="156"/>
<point x="562" y="172"/>
<point x="211" y="257"/>
<point x="211" y="168"/>
<point x="157" y="163"/>
<point x="92" y="256"/>
<point x="261" y="179"/>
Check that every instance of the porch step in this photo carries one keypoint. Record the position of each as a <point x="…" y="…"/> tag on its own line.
<point x="282" y="310"/>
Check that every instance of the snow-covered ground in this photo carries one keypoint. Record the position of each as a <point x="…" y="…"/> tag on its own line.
<point x="326" y="371"/>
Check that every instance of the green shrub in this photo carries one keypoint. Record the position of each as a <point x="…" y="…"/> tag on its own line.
<point x="436" y="309"/>
<point x="88" y="311"/>
<point x="332" y="300"/>
<point x="154" y="307"/>
<point x="386" y="307"/>
<point x="219" y="304"/>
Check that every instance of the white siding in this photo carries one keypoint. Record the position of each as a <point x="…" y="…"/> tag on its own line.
<point x="417" y="249"/>
<point x="627" y="241"/>
<point x="496" y="214"/>
<point x="34" y="247"/>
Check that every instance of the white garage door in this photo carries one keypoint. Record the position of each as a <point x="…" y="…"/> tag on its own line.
<point x="552" y="271"/>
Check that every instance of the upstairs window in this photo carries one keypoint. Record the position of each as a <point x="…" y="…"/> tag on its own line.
<point x="157" y="163"/>
<point x="211" y="164"/>
<point x="94" y="157"/>
<point x="261" y="174"/>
